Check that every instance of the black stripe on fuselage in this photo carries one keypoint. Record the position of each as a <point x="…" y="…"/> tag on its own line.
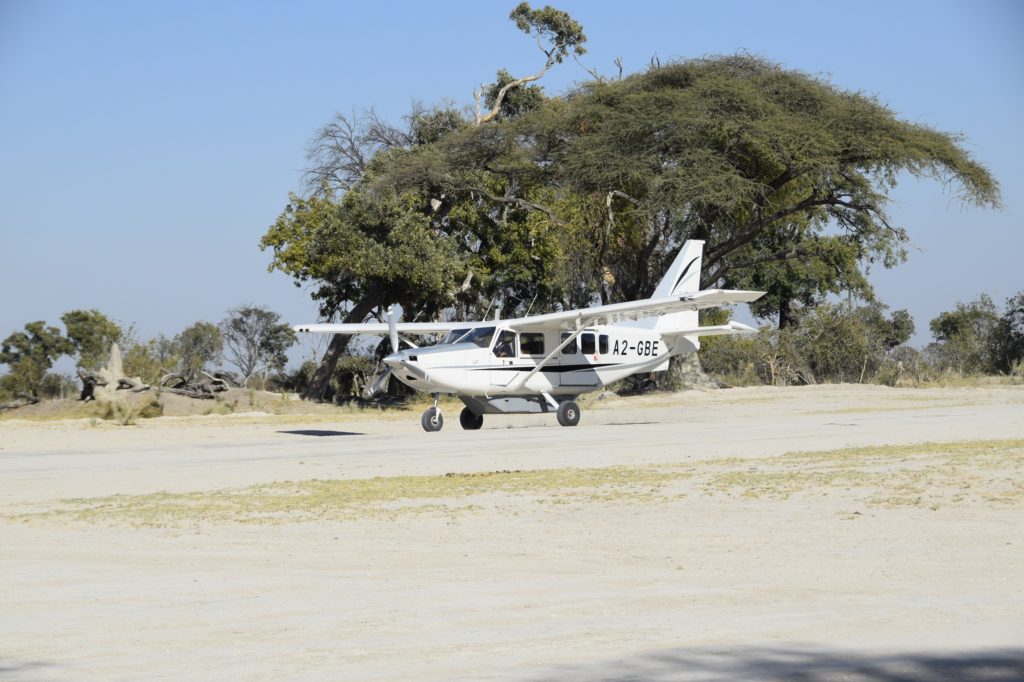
<point x="558" y="369"/>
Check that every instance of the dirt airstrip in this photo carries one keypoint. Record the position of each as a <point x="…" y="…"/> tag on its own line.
<point x="818" y="533"/>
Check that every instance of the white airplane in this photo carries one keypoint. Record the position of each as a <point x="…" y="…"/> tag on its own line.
<point x="543" y="363"/>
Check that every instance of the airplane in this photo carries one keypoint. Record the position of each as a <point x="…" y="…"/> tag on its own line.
<point x="543" y="363"/>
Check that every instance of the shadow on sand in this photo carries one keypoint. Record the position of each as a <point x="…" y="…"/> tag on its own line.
<point x="321" y="433"/>
<point x="23" y="671"/>
<point x="795" y="663"/>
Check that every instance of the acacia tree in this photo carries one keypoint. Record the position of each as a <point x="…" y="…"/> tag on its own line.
<point x="255" y="340"/>
<point x="784" y="176"/>
<point x="92" y="334"/>
<point x="196" y="347"/>
<point x="764" y="164"/>
<point x="31" y="353"/>
<point x="368" y="241"/>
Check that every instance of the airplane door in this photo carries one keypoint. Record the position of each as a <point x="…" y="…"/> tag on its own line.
<point x="577" y="360"/>
<point x="503" y="358"/>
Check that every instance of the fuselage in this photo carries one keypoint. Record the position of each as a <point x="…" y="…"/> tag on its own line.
<point x="491" y="361"/>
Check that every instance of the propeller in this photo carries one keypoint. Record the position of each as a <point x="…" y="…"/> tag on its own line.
<point x="379" y="383"/>
<point x="394" y="315"/>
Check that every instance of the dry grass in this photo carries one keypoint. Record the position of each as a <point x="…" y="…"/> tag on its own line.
<point x="928" y="475"/>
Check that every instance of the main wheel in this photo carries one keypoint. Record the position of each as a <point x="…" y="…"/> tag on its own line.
<point x="568" y="413"/>
<point x="432" y="419"/>
<point x="470" y="420"/>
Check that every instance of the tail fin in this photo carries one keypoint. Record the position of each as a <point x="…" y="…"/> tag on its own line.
<point x="683" y="276"/>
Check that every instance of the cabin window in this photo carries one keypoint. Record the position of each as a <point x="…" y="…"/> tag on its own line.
<point x="505" y="346"/>
<point x="531" y="343"/>
<point x="481" y="336"/>
<point x="587" y="344"/>
<point x="570" y="349"/>
<point x="602" y="344"/>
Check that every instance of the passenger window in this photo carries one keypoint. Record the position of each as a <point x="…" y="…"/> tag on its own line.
<point x="602" y="344"/>
<point x="587" y="344"/>
<point x="505" y="346"/>
<point x="570" y="349"/>
<point x="531" y="343"/>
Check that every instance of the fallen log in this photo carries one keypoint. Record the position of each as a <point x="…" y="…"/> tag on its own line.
<point x="23" y="400"/>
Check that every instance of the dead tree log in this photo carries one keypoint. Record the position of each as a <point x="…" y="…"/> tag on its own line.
<point x="23" y="400"/>
<point x="90" y="380"/>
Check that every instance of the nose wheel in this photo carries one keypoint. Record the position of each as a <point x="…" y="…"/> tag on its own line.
<point x="432" y="419"/>
<point x="568" y="413"/>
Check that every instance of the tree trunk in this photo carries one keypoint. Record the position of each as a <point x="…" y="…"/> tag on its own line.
<point x="321" y="380"/>
<point x="785" y="315"/>
<point x="685" y="373"/>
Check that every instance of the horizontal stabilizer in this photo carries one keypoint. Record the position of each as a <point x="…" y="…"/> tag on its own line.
<point x="732" y="327"/>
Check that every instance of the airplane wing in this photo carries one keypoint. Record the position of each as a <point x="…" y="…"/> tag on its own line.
<point x="382" y="328"/>
<point x="565" y="319"/>
<point x="632" y="310"/>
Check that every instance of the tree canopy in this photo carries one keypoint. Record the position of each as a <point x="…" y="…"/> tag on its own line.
<point x="255" y="340"/>
<point x="550" y="201"/>
<point x="92" y="334"/>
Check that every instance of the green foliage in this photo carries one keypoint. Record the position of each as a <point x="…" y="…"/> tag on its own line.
<point x="31" y="353"/>
<point x="757" y="160"/>
<point x="784" y="176"/>
<point x="92" y="334"/>
<point x="1009" y="336"/>
<point x="967" y="338"/>
<point x="832" y="343"/>
<point x="379" y="246"/>
<point x="294" y="382"/>
<point x="150" y="360"/>
<point x="557" y="29"/>
<point x="58" y="386"/>
<point x="351" y="375"/>
<point x="255" y="340"/>
<point x="197" y="347"/>
<point x="558" y="201"/>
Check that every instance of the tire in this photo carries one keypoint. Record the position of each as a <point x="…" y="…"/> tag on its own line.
<point x="568" y="413"/>
<point x="469" y="420"/>
<point x="432" y="420"/>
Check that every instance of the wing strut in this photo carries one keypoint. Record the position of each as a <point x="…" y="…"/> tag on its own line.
<point x="550" y="356"/>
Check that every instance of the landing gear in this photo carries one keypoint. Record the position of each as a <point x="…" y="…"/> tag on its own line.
<point x="568" y="413"/>
<point x="432" y="419"/>
<point x="470" y="420"/>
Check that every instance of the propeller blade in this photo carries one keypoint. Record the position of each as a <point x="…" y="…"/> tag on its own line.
<point x="378" y="385"/>
<point x="394" y="314"/>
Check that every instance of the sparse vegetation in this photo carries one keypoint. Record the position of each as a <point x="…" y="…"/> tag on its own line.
<point x="926" y="475"/>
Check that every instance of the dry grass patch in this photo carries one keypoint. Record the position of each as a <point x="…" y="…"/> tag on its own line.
<point x="927" y="475"/>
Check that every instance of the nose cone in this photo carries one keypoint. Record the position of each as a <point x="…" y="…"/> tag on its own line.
<point x="394" y="360"/>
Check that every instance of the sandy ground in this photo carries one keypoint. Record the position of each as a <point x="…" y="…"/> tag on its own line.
<point x="665" y="538"/>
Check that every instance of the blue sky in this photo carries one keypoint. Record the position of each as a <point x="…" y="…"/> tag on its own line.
<point x="145" y="147"/>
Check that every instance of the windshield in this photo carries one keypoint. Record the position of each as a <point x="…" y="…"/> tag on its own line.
<point x="481" y="336"/>
<point x="453" y="335"/>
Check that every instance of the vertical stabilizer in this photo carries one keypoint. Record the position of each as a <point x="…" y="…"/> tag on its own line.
<point x="682" y="277"/>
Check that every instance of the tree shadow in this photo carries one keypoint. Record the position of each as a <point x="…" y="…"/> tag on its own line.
<point x="800" y="664"/>
<point x="321" y="433"/>
<point x="19" y="671"/>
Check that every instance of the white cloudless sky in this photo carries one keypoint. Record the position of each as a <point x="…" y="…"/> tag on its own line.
<point x="145" y="147"/>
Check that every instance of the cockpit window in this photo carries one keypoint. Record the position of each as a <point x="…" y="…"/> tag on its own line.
<point x="481" y="336"/>
<point x="453" y="335"/>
